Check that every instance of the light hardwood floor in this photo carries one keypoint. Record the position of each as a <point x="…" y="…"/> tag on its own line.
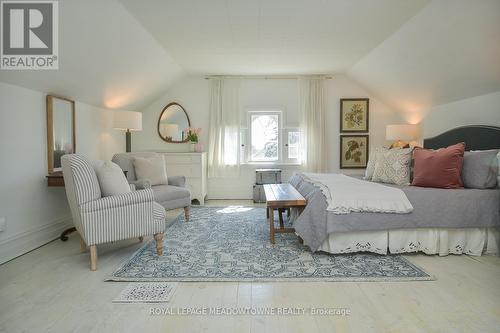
<point x="52" y="289"/>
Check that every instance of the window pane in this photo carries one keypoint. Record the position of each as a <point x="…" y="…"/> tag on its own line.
<point x="293" y="145"/>
<point x="265" y="133"/>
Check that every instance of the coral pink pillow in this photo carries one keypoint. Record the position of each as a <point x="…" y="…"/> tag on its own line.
<point x="440" y="168"/>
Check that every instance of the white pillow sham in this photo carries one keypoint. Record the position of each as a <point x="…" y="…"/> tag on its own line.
<point x="112" y="180"/>
<point x="151" y="169"/>
<point x="393" y="167"/>
<point x="372" y="160"/>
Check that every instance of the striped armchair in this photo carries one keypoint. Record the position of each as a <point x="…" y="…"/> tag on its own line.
<point x="107" y="219"/>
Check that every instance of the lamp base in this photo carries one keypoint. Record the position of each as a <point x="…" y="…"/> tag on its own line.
<point x="128" y="141"/>
<point x="400" y="144"/>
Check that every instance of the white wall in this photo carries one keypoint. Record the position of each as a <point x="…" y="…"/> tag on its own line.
<point x="479" y="110"/>
<point x="36" y="213"/>
<point x="380" y="116"/>
<point x="193" y="94"/>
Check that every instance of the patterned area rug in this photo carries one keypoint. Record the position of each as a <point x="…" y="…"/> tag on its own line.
<point x="147" y="292"/>
<point x="232" y="244"/>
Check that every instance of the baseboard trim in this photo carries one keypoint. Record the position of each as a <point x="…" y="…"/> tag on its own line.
<point x="225" y="197"/>
<point x="24" y="242"/>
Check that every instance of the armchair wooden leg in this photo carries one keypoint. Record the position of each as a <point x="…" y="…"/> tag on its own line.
<point x="159" y="244"/>
<point x="186" y="213"/>
<point x="93" y="257"/>
<point x="83" y="246"/>
<point x="141" y="239"/>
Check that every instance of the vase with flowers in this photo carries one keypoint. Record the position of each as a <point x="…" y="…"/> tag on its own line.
<point x="192" y="135"/>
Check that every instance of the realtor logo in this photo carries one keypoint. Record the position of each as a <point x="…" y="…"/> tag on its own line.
<point x="29" y="35"/>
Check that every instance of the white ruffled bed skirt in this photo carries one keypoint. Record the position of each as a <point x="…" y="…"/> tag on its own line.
<point x="442" y="241"/>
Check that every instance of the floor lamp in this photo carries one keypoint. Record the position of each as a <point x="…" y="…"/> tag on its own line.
<point x="127" y="121"/>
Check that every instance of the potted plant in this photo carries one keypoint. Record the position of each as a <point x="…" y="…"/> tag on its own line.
<point x="192" y="134"/>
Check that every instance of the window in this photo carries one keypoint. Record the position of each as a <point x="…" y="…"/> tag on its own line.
<point x="267" y="141"/>
<point x="264" y="136"/>
<point x="293" y="145"/>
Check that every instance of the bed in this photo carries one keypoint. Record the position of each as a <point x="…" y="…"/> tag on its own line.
<point x="444" y="221"/>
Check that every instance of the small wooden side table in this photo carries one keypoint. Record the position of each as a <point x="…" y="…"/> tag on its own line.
<point x="55" y="179"/>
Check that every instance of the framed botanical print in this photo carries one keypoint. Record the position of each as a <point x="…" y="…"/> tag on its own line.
<point x="353" y="151"/>
<point x="354" y="115"/>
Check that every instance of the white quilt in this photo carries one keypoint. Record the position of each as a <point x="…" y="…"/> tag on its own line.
<point x="346" y="194"/>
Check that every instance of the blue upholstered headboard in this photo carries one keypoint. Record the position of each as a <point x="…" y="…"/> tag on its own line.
<point x="476" y="137"/>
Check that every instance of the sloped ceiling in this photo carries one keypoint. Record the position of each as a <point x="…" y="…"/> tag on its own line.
<point x="106" y="58"/>
<point x="411" y="54"/>
<point x="270" y="36"/>
<point x="449" y="51"/>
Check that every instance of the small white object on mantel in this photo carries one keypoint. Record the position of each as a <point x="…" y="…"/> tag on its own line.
<point x="191" y="165"/>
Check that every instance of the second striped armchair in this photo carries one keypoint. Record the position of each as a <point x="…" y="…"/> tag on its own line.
<point x="107" y="219"/>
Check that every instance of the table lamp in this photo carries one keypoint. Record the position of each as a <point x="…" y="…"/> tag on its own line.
<point x="127" y="121"/>
<point x="402" y="135"/>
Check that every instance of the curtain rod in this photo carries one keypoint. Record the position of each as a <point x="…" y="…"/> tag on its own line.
<point x="269" y="77"/>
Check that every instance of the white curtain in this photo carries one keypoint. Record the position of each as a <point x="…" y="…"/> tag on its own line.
<point x="313" y="119"/>
<point x="224" y="128"/>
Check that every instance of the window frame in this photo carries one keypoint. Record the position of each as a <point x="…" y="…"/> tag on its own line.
<point x="286" y="159"/>
<point x="273" y="112"/>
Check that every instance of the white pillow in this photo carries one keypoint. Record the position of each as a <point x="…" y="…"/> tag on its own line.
<point x="152" y="169"/>
<point x="111" y="178"/>
<point x="372" y="160"/>
<point x="393" y="167"/>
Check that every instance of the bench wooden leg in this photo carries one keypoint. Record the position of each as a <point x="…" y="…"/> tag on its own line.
<point x="280" y="215"/>
<point x="271" y="225"/>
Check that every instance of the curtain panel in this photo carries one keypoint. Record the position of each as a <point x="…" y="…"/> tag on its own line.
<point x="313" y="120"/>
<point x="224" y="128"/>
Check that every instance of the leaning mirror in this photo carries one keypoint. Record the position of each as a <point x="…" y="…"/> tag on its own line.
<point x="60" y="130"/>
<point x="172" y="123"/>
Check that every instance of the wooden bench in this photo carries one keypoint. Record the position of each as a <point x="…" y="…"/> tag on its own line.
<point x="281" y="197"/>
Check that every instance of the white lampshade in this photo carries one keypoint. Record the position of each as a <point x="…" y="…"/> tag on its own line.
<point x="126" y="120"/>
<point x="405" y="132"/>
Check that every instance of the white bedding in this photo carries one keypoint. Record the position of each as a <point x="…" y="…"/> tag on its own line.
<point x="347" y="194"/>
<point x="441" y="241"/>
